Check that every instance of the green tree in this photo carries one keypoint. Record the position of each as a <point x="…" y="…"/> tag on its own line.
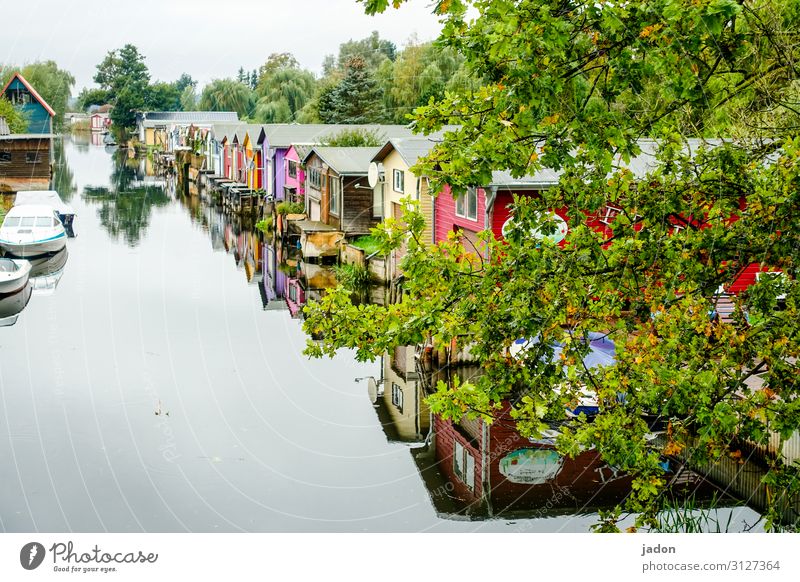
<point x="54" y="85"/>
<point x="354" y="138"/>
<point x="88" y="97"/>
<point x="372" y="50"/>
<point x="573" y="87"/>
<point x="125" y="78"/>
<point x="282" y="93"/>
<point x="15" y="120"/>
<point x="163" y="97"/>
<point x="188" y="98"/>
<point x="355" y="99"/>
<point x="227" y="95"/>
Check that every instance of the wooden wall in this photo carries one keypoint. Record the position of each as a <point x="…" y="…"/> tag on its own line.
<point x="19" y="166"/>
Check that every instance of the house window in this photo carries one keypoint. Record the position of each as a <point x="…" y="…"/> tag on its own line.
<point x="292" y="169"/>
<point x="467" y="204"/>
<point x="397" y="396"/>
<point x="609" y="214"/>
<point x="5" y="157"/>
<point x="314" y="178"/>
<point x="33" y="158"/>
<point x="19" y="97"/>
<point x="464" y="465"/>
<point x="399" y="181"/>
<point x="335" y="191"/>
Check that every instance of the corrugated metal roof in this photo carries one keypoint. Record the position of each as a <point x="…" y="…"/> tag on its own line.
<point x="345" y="161"/>
<point x="229" y="130"/>
<point x="192" y="116"/>
<point x="19" y="136"/>
<point x="639" y="166"/>
<point x="410" y="149"/>
<point x="284" y="135"/>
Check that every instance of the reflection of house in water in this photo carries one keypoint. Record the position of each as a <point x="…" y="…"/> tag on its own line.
<point x="273" y="287"/>
<point x="477" y="470"/>
<point x="399" y="398"/>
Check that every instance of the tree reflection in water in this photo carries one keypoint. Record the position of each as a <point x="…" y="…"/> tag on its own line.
<point x="125" y="208"/>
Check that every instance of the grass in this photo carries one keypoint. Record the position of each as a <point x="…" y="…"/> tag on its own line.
<point x="353" y="277"/>
<point x="367" y="243"/>
<point x="265" y="225"/>
<point x="290" y="208"/>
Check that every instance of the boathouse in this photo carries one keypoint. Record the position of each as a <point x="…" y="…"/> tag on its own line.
<point x="28" y="102"/>
<point x="337" y="191"/>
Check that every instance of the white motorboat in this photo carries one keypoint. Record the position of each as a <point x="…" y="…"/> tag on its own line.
<point x="66" y="213"/>
<point x="31" y="230"/>
<point x="14" y="274"/>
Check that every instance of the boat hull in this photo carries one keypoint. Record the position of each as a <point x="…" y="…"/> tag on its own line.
<point x="13" y="281"/>
<point x="27" y="249"/>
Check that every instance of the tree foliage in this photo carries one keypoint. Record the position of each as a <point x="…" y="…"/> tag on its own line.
<point x="354" y="138"/>
<point x="283" y="89"/>
<point x="125" y="77"/>
<point x="227" y="95"/>
<point x="574" y="87"/>
<point x="15" y="120"/>
<point x="355" y="99"/>
<point x="88" y="97"/>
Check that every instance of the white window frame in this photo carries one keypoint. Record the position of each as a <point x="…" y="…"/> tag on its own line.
<point x="314" y="175"/>
<point x="399" y="181"/>
<point x="334" y="195"/>
<point x="610" y="213"/>
<point x="462" y="201"/>
<point x="397" y="396"/>
<point x="463" y="465"/>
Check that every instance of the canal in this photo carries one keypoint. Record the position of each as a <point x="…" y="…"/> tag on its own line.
<point x="150" y="390"/>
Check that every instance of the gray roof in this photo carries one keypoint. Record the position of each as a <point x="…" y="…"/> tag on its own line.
<point x="639" y="166"/>
<point x="191" y="116"/>
<point x="345" y="161"/>
<point x="284" y="135"/>
<point x="30" y="136"/>
<point x="410" y="149"/>
<point x="231" y="130"/>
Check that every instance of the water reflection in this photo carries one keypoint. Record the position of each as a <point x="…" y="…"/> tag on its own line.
<point x="46" y="272"/>
<point x="126" y="205"/>
<point x="12" y="304"/>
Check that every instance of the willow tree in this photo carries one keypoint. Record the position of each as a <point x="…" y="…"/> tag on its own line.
<point x="575" y="86"/>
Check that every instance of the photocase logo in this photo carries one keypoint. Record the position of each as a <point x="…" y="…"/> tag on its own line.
<point x="31" y="555"/>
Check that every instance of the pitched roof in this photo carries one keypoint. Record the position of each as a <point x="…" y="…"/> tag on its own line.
<point x="33" y="92"/>
<point x="284" y="135"/>
<point x="410" y="149"/>
<point x="639" y="165"/>
<point x="192" y="116"/>
<point x="345" y="161"/>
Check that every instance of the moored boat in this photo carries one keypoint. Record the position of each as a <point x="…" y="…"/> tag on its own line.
<point x="31" y="230"/>
<point x="14" y="274"/>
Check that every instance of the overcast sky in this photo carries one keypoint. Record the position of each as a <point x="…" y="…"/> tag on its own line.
<point x="208" y="39"/>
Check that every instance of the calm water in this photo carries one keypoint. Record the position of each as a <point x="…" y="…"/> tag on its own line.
<point x="152" y="314"/>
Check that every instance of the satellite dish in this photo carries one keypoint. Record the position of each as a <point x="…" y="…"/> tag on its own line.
<point x="557" y="236"/>
<point x="374" y="174"/>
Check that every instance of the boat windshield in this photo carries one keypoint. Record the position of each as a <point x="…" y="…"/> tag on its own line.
<point x="44" y="221"/>
<point x="11" y="221"/>
<point x="7" y="266"/>
<point x="26" y="221"/>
